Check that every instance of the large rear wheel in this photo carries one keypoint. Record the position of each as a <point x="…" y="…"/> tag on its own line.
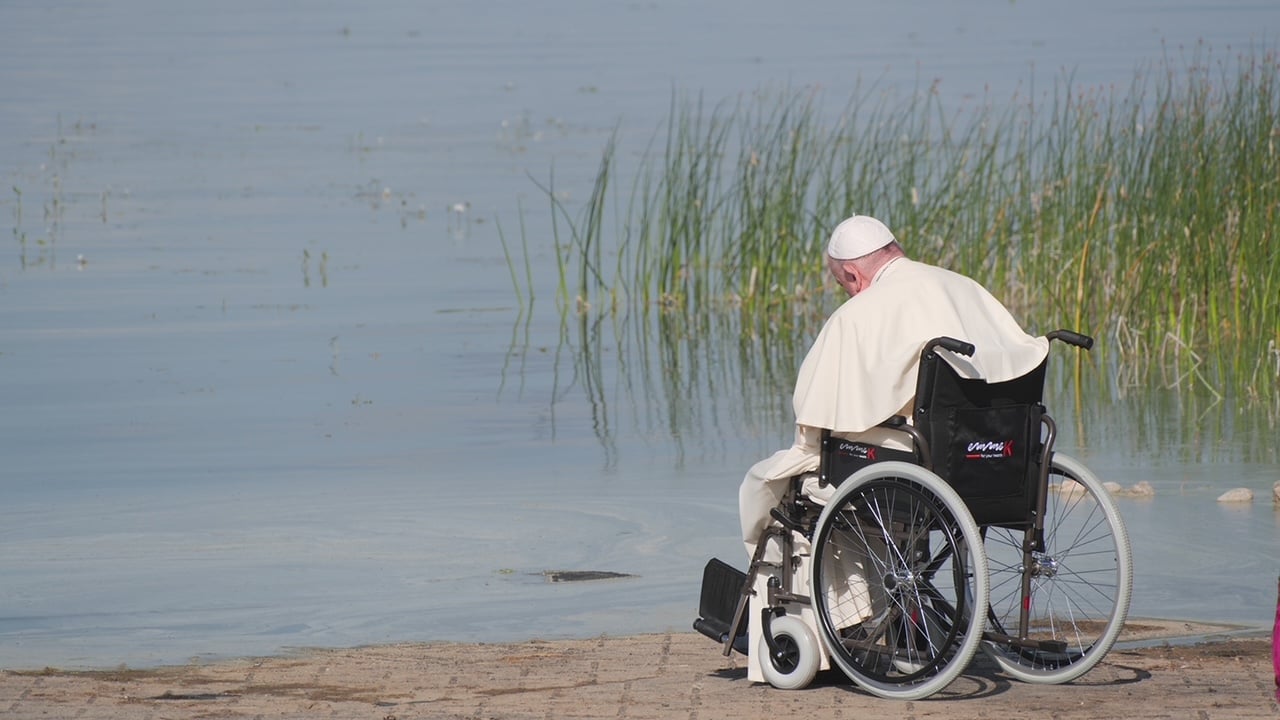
<point x="1080" y="582"/>
<point x="897" y="574"/>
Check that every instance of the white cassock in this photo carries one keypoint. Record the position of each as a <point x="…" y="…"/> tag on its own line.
<point x="861" y="370"/>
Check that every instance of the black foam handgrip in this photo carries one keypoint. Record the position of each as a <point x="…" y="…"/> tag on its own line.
<point x="1071" y="338"/>
<point x="959" y="347"/>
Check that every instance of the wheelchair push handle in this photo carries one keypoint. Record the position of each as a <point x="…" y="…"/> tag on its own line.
<point x="1071" y="338"/>
<point x="958" y="347"/>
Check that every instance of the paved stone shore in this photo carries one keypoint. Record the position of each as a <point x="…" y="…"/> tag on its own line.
<point x="673" y="675"/>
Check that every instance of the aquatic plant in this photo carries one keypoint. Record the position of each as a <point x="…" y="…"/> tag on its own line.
<point x="1147" y="217"/>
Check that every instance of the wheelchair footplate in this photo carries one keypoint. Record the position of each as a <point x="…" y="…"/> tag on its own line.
<point x="722" y="606"/>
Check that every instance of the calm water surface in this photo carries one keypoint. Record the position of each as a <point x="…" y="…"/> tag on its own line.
<point x="266" y="380"/>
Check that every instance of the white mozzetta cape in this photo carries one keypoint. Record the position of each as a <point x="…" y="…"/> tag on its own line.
<point x="862" y="367"/>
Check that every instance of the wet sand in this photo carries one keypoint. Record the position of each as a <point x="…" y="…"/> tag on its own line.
<point x="1161" y="670"/>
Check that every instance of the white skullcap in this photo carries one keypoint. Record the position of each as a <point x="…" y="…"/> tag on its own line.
<point x="859" y="235"/>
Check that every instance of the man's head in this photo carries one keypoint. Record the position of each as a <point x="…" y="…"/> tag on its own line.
<point x="858" y="248"/>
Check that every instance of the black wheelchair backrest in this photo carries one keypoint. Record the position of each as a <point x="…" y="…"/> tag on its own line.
<point x="983" y="438"/>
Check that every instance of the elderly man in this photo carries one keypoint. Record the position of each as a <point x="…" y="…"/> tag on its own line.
<point x="861" y="369"/>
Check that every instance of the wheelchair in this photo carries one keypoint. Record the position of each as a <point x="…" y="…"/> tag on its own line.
<point x="978" y="538"/>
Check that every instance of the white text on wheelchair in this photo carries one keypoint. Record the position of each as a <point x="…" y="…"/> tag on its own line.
<point x="986" y="449"/>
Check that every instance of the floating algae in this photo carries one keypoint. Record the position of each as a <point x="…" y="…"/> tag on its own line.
<point x="582" y="575"/>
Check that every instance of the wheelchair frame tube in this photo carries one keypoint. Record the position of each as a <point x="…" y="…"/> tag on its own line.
<point x="780" y="592"/>
<point x="1033" y="539"/>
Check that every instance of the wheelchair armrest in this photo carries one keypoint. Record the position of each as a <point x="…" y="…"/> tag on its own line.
<point x="899" y="423"/>
<point x="786" y="520"/>
<point x="918" y="441"/>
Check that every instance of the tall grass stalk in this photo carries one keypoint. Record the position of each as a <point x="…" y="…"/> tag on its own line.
<point x="1147" y="217"/>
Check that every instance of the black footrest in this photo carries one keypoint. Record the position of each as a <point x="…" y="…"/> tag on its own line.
<point x="719" y="632"/>
<point x="722" y="587"/>
<point x="712" y="628"/>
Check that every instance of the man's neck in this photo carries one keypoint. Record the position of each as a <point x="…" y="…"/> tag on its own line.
<point x="875" y="274"/>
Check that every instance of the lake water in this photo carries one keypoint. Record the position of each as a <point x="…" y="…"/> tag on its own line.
<point x="267" y="382"/>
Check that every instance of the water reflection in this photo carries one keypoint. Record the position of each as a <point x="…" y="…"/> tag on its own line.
<point x="687" y="381"/>
<point x="691" y="380"/>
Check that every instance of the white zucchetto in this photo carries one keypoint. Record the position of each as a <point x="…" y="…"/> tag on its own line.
<point x="859" y="235"/>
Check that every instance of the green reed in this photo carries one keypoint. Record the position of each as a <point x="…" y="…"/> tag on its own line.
<point x="1147" y="217"/>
